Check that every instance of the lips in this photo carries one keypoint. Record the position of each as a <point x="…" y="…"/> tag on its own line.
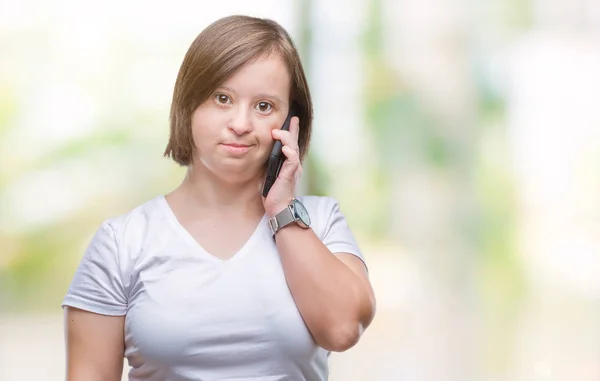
<point x="238" y="145"/>
<point x="236" y="148"/>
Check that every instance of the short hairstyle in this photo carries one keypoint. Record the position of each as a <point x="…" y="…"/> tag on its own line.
<point x="217" y="53"/>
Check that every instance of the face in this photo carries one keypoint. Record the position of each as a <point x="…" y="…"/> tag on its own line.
<point x="232" y="128"/>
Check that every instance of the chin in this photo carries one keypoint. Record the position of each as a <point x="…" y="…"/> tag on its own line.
<point x="228" y="170"/>
<point x="235" y="173"/>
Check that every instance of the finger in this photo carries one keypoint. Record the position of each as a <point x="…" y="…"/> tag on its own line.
<point x="295" y="127"/>
<point x="287" y="138"/>
<point x="291" y="168"/>
<point x="291" y="154"/>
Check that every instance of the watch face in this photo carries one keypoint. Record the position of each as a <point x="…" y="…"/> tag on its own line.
<point x="301" y="212"/>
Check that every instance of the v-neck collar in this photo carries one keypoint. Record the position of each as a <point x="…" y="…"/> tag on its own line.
<point x="185" y="234"/>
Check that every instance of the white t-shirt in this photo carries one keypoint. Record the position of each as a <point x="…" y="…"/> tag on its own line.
<point x="192" y="316"/>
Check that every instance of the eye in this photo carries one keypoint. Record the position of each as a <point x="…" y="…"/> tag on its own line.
<point x="263" y="107"/>
<point x="222" y="99"/>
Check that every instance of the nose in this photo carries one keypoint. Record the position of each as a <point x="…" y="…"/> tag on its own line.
<point x="240" y="122"/>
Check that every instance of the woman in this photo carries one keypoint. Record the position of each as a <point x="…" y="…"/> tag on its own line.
<point x="214" y="281"/>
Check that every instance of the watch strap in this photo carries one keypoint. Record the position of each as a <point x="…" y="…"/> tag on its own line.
<point x="281" y="219"/>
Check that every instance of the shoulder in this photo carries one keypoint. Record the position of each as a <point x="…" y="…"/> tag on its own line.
<point x="330" y="225"/>
<point x="323" y="211"/>
<point x="103" y="278"/>
<point x="318" y="203"/>
<point x="319" y="207"/>
<point x="138" y="221"/>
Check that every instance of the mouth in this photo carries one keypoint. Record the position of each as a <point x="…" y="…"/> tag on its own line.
<point x="236" y="148"/>
<point x="236" y="145"/>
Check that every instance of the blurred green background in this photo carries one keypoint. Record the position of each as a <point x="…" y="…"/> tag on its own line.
<point x="462" y="140"/>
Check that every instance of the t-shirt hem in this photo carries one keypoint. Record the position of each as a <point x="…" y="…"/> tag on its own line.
<point x="86" y="305"/>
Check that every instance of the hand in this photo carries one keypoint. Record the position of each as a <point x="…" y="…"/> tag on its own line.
<point x="282" y="191"/>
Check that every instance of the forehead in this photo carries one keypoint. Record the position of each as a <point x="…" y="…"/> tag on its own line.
<point x="265" y="74"/>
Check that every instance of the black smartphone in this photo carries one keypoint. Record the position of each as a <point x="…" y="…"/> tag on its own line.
<point x="277" y="157"/>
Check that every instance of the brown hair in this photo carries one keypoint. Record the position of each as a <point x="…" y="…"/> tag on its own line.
<point x="216" y="54"/>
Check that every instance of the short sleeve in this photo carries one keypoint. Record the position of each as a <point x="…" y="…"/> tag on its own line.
<point x="97" y="285"/>
<point x="338" y="237"/>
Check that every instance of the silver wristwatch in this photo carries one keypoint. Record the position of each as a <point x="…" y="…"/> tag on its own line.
<point x="294" y="212"/>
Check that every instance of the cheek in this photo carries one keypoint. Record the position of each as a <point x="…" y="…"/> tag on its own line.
<point x="203" y="128"/>
<point x="198" y="136"/>
<point x="265" y="131"/>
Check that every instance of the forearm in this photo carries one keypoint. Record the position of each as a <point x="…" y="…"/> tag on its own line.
<point x="334" y="301"/>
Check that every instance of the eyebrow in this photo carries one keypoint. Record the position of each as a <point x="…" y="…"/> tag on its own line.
<point x="261" y="95"/>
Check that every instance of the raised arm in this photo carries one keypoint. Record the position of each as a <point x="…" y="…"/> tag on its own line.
<point x="332" y="292"/>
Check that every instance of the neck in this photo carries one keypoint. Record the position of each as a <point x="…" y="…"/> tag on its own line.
<point x="211" y="194"/>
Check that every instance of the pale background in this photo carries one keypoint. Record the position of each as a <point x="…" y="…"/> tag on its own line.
<point x="461" y="138"/>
